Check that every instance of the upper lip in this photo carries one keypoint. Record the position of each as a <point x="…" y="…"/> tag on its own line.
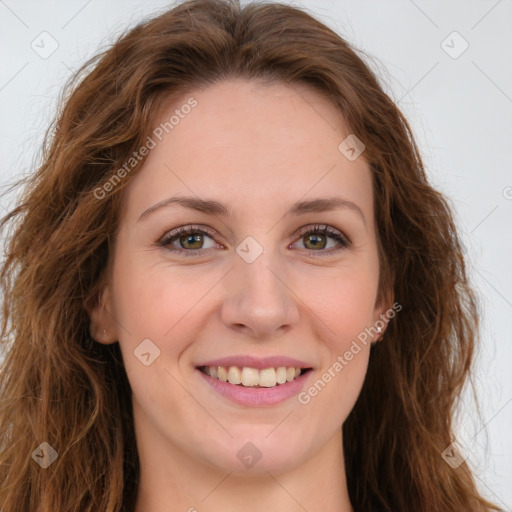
<point x="259" y="363"/>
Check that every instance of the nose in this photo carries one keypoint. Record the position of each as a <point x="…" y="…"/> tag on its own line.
<point x="259" y="302"/>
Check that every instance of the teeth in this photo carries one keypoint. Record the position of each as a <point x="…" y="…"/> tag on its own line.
<point x="281" y="375"/>
<point x="222" y="373"/>
<point x="251" y="377"/>
<point x="234" y="376"/>
<point x="268" y="378"/>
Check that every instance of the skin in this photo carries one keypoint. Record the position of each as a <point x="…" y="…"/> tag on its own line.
<point x="259" y="147"/>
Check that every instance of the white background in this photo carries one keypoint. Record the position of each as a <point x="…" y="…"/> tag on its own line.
<point x="460" y="110"/>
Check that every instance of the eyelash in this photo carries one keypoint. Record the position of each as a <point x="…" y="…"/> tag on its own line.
<point x="307" y="230"/>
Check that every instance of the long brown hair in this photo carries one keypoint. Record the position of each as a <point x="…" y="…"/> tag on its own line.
<point x="61" y="387"/>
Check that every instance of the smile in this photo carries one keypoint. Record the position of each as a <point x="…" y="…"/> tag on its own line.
<point x="252" y="377"/>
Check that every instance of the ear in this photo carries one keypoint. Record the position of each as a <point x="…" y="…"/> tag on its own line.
<point x="383" y="312"/>
<point x="102" y="324"/>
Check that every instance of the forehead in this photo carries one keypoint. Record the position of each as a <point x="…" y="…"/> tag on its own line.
<point x="250" y="142"/>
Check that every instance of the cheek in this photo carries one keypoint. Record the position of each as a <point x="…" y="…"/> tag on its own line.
<point x="344" y="305"/>
<point x="153" y="298"/>
<point x="344" y="301"/>
<point x="153" y="302"/>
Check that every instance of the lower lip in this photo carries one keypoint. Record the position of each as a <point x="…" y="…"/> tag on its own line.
<point x="255" y="397"/>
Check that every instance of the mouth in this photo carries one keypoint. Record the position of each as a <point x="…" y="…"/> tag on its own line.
<point x="249" y="377"/>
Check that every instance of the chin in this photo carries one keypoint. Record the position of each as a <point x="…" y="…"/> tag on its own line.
<point x="257" y="452"/>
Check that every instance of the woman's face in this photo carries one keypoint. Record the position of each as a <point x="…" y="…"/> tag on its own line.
<point x="247" y="283"/>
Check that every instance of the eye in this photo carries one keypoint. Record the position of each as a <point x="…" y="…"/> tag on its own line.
<point x="316" y="237"/>
<point x="189" y="240"/>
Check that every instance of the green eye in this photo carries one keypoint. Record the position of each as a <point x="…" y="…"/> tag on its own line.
<point x="189" y="240"/>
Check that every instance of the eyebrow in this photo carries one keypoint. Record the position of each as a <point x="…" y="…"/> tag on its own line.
<point x="213" y="207"/>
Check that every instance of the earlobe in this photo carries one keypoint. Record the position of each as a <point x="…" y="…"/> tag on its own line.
<point x="381" y="323"/>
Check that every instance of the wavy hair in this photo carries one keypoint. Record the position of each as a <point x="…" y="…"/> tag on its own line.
<point x="59" y="386"/>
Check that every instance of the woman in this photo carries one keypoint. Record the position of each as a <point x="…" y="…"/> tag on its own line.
<point x="231" y="285"/>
